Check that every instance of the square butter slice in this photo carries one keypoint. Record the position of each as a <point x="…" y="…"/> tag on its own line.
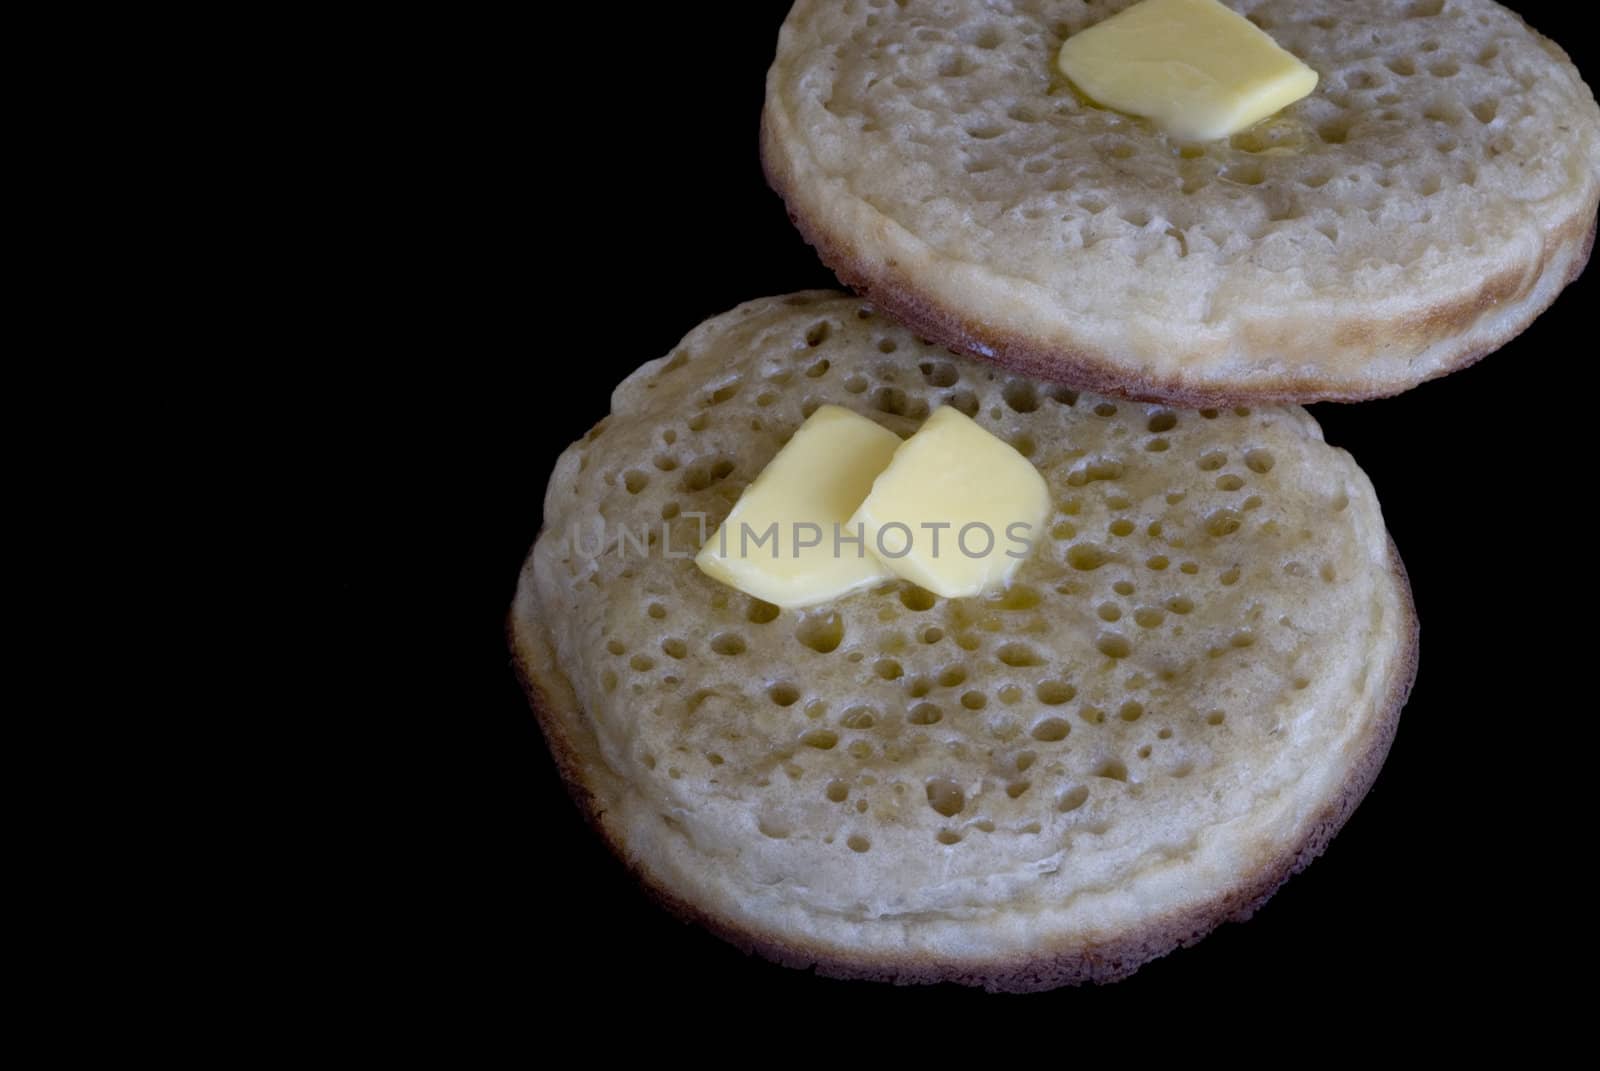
<point x="957" y="509"/>
<point x="779" y="543"/>
<point x="1197" y="68"/>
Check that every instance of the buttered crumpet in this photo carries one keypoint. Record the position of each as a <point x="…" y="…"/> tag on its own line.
<point x="1429" y="189"/>
<point x="1175" y="700"/>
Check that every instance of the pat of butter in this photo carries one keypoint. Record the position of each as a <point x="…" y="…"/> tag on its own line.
<point x="1198" y="69"/>
<point x="956" y="510"/>
<point x="786" y="540"/>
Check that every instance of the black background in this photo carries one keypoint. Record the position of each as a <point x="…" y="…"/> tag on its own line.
<point x="620" y="212"/>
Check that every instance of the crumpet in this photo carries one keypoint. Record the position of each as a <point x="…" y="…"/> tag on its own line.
<point x="1431" y="196"/>
<point x="1191" y="682"/>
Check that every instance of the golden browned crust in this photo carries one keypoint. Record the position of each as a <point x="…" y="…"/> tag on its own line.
<point x="1107" y="961"/>
<point x="1101" y="373"/>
